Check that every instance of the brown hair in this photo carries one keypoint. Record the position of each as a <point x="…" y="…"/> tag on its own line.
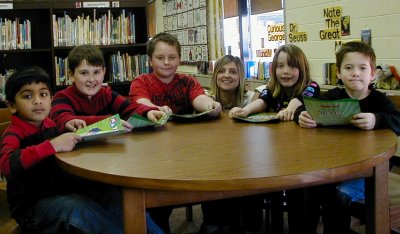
<point x="296" y="58"/>
<point x="240" y="90"/>
<point x="164" y="37"/>
<point x="355" y="46"/>
<point x="89" y="53"/>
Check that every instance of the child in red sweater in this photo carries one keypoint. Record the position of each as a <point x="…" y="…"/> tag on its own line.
<point x="86" y="101"/>
<point x="41" y="197"/>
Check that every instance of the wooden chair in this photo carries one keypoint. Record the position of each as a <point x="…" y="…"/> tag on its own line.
<point x="394" y="202"/>
<point x="10" y="226"/>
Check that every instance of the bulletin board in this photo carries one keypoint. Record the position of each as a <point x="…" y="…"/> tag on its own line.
<point x="187" y="20"/>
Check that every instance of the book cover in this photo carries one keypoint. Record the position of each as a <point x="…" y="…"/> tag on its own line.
<point x="106" y="127"/>
<point x="191" y="116"/>
<point x="251" y="70"/>
<point x="366" y="36"/>
<point x="332" y="112"/>
<point x="138" y="121"/>
<point x="260" y="117"/>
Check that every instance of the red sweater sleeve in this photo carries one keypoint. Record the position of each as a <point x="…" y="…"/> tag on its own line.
<point x="68" y="105"/>
<point x="11" y="151"/>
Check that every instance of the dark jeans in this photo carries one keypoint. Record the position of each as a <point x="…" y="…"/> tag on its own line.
<point x="307" y="205"/>
<point x="97" y="208"/>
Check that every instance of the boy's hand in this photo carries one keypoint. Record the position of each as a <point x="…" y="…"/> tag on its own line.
<point x="365" y="121"/>
<point x="65" y="142"/>
<point x="155" y="115"/>
<point x="127" y="126"/>
<point x="239" y="112"/>
<point x="75" y="124"/>
<point x="286" y="114"/>
<point x="165" y="109"/>
<point x="306" y="121"/>
<point x="216" y="107"/>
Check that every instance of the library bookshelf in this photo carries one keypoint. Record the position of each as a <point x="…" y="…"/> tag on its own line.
<point x="42" y="32"/>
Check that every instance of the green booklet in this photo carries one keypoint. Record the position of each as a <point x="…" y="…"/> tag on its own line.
<point x="259" y="117"/>
<point x="106" y="127"/>
<point x="191" y="116"/>
<point x="138" y="121"/>
<point x="332" y="112"/>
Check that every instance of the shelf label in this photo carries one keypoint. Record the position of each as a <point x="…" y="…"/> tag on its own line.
<point x="6" y="6"/>
<point x="95" y="4"/>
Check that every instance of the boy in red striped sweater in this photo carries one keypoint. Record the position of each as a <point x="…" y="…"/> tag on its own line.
<point x="86" y="101"/>
<point x="41" y="197"/>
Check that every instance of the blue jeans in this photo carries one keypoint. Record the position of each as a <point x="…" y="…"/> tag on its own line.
<point x="354" y="189"/>
<point x="96" y="210"/>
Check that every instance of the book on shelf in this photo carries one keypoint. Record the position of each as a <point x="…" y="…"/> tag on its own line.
<point x="330" y="73"/>
<point x="263" y="70"/>
<point x="106" y="127"/>
<point x="3" y="80"/>
<point x="138" y="121"/>
<point x="251" y="69"/>
<point x="332" y="112"/>
<point x="259" y="117"/>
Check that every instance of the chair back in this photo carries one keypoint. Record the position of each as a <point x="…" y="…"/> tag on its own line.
<point x="5" y="118"/>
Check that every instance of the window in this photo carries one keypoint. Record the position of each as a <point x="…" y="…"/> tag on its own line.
<point x="253" y="29"/>
<point x="266" y="29"/>
<point x="267" y="33"/>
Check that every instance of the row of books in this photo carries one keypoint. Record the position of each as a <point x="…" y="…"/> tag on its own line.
<point x="257" y="70"/>
<point x="123" y="68"/>
<point x="15" y="34"/>
<point x="104" y="30"/>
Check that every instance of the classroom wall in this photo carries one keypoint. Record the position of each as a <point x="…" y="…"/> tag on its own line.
<point x="382" y="17"/>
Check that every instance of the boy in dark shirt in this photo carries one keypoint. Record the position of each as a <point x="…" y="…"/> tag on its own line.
<point x="41" y="197"/>
<point x="356" y="68"/>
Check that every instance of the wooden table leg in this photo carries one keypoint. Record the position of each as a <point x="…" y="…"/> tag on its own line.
<point x="377" y="200"/>
<point x="134" y="211"/>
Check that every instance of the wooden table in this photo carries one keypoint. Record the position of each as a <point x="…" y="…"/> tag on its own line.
<point x="192" y="162"/>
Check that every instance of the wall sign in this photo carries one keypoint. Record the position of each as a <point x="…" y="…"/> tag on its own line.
<point x="295" y="35"/>
<point x="332" y="17"/>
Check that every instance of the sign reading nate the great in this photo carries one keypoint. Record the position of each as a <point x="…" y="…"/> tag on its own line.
<point x="333" y="24"/>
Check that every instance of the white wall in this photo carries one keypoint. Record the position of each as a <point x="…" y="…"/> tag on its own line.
<point x="382" y="17"/>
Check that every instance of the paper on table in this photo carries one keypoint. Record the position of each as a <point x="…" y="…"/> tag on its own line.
<point x="191" y="116"/>
<point x="138" y="121"/>
<point x="106" y="127"/>
<point x="260" y="117"/>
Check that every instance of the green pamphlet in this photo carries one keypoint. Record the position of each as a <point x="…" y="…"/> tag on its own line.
<point x="138" y="121"/>
<point x="259" y="117"/>
<point x="106" y="127"/>
<point x="332" y="112"/>
<point x="192" y="116"/>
